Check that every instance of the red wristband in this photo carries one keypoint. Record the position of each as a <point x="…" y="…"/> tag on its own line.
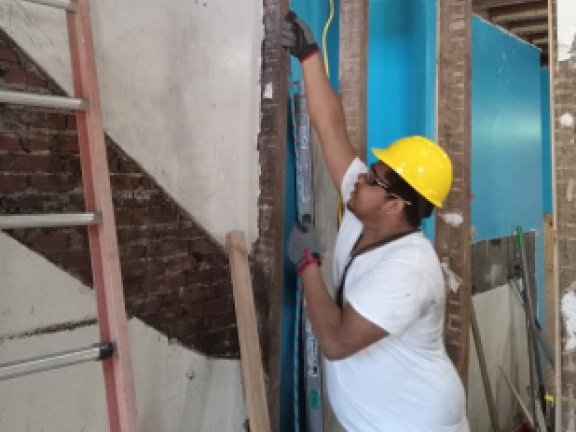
<point x="317" y="50"/>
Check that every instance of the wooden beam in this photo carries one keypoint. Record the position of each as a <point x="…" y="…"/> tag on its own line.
<point x="563" y="113"/>
<point x="535" y="36"/>
<point x="267" y="253"/>
<point x="353" y="70"/>
<point x="488" y="4"/>
<point x="250" y="354"/>
<point x="539" y="39"/>
<point x="454" y="135"/>
<point x="529" y="28"/>
<point x="520" y="12"/>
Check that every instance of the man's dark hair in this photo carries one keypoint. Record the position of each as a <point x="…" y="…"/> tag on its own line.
<point x="420" y="208"/>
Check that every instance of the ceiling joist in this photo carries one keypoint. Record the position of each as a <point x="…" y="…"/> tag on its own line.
<point x="520" y="12"/>
<point x="529" y="28"/>
<point x="488" y="4"/>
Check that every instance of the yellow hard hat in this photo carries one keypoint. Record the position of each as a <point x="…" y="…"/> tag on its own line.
<point x="422" y="163"/>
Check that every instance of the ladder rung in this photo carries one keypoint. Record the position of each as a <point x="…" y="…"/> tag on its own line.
<point x="99" y="351"/>
<point x="68" y="5"/>
<point x="39" y="100"/>
<point x="49" y="220"/>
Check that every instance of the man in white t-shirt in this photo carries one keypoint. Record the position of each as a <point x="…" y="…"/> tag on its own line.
<point x="387" y="369"/>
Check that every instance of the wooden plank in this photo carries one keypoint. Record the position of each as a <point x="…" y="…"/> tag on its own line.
<point x="353" y="70"/>
<point x="487" y="4"/>
<point x="530" y="28"/>
<point x="118" y="375"/>
<point x="520" y="12"/>
<point x="268" y="257"/>
<point x="563" y="104"/>
<point x="549" y="296"/>
<point x="454" y="135"/>
<point x="250" y="353"/>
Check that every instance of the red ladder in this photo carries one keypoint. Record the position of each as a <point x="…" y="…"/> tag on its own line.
<point x="114" y="349"/>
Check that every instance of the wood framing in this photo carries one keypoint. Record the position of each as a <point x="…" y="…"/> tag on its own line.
<point x="563" y="113"/>
<point x="454" y="135"/>
<point x="252" y="372"/>
<point x="353" y="70"/>
<point x="486" y="4"/>
<point x="269" y="247"/>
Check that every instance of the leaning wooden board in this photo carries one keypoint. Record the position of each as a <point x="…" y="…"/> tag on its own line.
<point x="252" y="371"/>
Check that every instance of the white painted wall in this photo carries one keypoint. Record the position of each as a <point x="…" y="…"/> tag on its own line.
<point x="180" y="91"/>
<point x="502" y="325"/>
<point x="177" y="390"/>
<point x="566" y="29"/>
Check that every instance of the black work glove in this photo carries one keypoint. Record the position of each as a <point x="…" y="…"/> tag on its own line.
<point x="297" y="37"/>
<point x="303" y="246"/>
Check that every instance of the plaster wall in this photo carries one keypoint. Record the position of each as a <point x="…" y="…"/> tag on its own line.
<point x="180" y="91"/>
<point x="176" y="389"/>
<point x="566" y="29"/>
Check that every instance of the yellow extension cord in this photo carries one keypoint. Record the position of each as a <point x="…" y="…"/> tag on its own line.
<point x="326" y="27"/>
<point x="340" y="209"/>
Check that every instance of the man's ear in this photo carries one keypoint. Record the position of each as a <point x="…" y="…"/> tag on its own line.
<point x="395" y="206"/>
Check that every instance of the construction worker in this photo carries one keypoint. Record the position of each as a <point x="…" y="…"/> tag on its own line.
<point x="386" y="365"/>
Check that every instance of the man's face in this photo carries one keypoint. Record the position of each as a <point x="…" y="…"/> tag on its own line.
<point x="370" y="192"/>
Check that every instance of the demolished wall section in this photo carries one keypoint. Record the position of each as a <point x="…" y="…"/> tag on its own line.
<point x="175" y="275"/>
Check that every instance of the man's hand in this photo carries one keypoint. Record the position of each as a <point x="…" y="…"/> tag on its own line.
<point x="297" y="37"/>
<point x="303" y="246"/>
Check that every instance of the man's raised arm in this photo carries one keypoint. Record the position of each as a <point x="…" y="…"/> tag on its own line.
<point x="324" y="107"/>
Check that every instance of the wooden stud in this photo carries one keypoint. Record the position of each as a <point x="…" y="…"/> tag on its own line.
<point x="487" y="4"/>
<point x="454" y="135"/>
<point x="353" y="70"/>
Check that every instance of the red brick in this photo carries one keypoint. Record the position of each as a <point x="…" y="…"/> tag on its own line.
<point x="51" y="241"/>
<point x="208" y="308"/>
<point x="66" y="143"/>
<point x="55" y="182"/>
<point x="203" y="245"/>
<point x="226" y="319"/>
<point x="29" y="163"/>
<point x="155" y="217"/>
<point x="9" y="142"/>
<point x="71" y="163"/>
<point x="8" y="54"/>
<point x="166" y="249"/>
<point x="71" y="122"/>
<point x="13" y="184"/>
<point x="134" y="234"/>
<point x="128" y="253"/>
<point x="73" y="258"/>
<point x="121" y="182"/>
<point x="192" y="296"/>
<point x="180" y="264"/>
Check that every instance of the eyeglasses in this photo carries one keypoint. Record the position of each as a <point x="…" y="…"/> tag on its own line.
<point x="373" y="180"/>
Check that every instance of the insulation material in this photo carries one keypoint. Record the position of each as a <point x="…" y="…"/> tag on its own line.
<point x="567" y="120"/>
<point x="452" y="279"/>
<point x="570" y="190"/>
<point x="452" y="219"/>
<point x="268" y="91"/>
<point x="566" y="29"/>
<point x="569" y="313"/>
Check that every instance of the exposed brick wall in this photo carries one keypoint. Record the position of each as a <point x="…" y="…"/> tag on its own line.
<point x="454" y="126"/>
<point x="564" y="102"/>
<point x="176" y="277"/>
<point x="267" y="269"/>
<point x="353" y="70"/>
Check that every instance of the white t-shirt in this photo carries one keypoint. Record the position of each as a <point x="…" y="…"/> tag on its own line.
<point x="405" y="382"/>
